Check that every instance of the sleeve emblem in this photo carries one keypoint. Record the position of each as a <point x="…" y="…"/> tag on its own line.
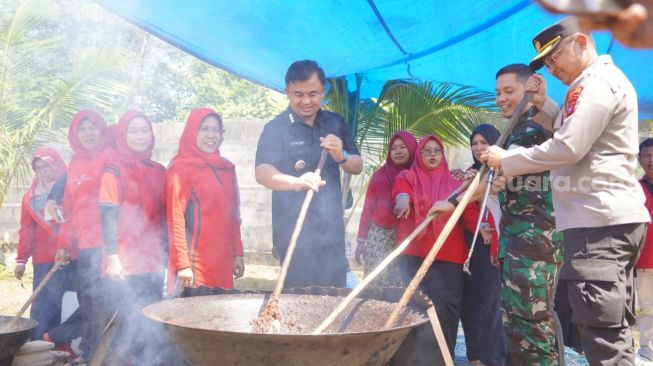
<point x="572" y="100"/>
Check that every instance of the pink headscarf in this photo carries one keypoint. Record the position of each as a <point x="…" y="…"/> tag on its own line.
<point x="430" y="186"/>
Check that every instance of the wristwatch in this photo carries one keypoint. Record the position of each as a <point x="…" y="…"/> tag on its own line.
<point x="345" y="157"/>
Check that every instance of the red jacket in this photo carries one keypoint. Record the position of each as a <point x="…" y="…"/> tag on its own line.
<point x="379" y="204"/>
<point x="37" y="238"/>
<point x="425" y="186"/>
<point x="81" y="209"/>
<point x="140" y="236"/>
<point x="494" y="244"/>
<point x="203" y="210"/>
<point x="454" y="249"/>
<point x="132" y="185"/>
<point x="377" y="210"/>
<point x="646" y="256"/>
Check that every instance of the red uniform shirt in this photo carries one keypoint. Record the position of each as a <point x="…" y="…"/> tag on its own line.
<point x="425" y="187"/>
<point x="646" y="256"/>
<point x="379" y="204"/>
<point x="133" y="183"/>
<point x="203" y="210"/>
<point x="37" y="237"/>
<point x="81" y="208"/>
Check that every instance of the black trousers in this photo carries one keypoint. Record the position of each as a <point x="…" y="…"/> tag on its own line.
<point x="322" y="266"/>
<point x="46" y="307"/>
<point x="443" y="283"/>
<point x="68" y="330"/>
<point x="90" y="292"/>
<point x="599" y="265"/>
<point x="481" y="312"/>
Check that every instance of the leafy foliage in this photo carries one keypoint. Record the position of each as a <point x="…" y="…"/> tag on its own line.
<point x="449" y="111"/>
<point x="33" y="96"/>
<point x="60" y="56"/>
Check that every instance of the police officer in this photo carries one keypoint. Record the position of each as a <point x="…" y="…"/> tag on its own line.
<point x="598" y="203"/>
<point x="287" y="154"/>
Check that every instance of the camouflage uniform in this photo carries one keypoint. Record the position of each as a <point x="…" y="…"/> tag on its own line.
<point x="531" y="252"/>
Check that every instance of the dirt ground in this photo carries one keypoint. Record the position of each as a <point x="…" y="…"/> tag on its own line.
<point x="13" y="296"/>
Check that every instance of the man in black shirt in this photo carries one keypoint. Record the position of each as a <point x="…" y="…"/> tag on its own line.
<point x="286" y="157"/>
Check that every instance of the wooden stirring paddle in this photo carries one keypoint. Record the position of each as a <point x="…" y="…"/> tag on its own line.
<point x="270" y="316"/>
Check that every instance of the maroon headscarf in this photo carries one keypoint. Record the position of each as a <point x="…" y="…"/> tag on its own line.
<point x="384" y="179"/>
<point x="189" y="153"/>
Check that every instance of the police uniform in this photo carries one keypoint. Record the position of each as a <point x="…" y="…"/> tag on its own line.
<point x="530" y="248"/>
<point x="293" y="148"/>
<point x="598" y="204"/>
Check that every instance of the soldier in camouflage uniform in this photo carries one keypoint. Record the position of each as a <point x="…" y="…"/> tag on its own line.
<point x="530" y="249"/>
<point x="531" y="257"/>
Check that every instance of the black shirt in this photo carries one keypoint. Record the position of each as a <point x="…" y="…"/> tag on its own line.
<point x="293" y="148"/>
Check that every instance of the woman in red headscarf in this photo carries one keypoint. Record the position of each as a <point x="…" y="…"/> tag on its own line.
<point x="206" y="250"/>
<point x="81" y="231"/>
<point x="133" y="212"/>
<point x="37" y="238"/>
<point x="376" y="231"/>
<point x="416" y="189"/>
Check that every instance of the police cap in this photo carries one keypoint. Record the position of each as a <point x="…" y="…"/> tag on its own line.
<point x="548" y="38"/>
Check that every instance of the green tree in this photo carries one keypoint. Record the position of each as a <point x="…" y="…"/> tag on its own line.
<point x="233" y="97"/>
<point x="449" y="111"/>
<point x="34" y="95"/>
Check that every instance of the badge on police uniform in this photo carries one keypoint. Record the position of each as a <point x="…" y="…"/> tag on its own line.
<point x="299" y="165"/>
<point x="572" y="99"/>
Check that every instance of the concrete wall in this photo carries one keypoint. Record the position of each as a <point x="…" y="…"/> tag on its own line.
<point x="239" y="147"/>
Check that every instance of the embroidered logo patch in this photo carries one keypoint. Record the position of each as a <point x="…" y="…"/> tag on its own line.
<point x="572" y="100"/>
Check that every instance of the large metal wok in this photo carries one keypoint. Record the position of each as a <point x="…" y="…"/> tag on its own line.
<point x="11" y="339"/>
<point x="216" y="330"/>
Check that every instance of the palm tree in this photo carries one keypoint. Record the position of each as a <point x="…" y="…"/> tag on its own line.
<point x="447" y="110"/>
<point x="33" y="97"/>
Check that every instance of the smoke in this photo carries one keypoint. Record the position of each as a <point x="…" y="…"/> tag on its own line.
<point x="138" y="340"/>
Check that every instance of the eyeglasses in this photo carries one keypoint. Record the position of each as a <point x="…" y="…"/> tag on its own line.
<point x="428" y="152"/>
<point x="552" y="57"/>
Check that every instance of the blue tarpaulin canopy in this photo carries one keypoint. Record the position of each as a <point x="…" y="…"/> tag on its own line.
<point x="462" y="41"/>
